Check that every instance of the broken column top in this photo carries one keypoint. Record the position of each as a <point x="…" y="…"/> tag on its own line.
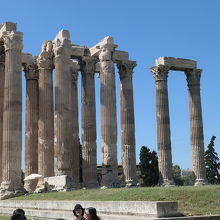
<point x="94" y="51"/>
<point x="178" y="64"/>
<point x="63" y="34"/>
<point x="7" y="26"/>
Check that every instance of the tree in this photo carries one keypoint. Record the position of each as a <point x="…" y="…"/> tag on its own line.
<point x="149" y="173"/>
<point x="212" y="163"/>
<point x="177" y="175"/>
<point x="189" y="179"/>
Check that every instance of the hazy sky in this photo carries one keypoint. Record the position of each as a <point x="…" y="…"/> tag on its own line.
<point x="147" y="29"/>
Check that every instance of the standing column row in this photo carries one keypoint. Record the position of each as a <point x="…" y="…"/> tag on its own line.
<point x="163" y="126"/>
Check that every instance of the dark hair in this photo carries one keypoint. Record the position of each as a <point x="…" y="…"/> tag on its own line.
<point x="93" y="213"/>
<point x="18" y="217"/>
<point x="19" y="211"/>
<point x="78" y="206"/>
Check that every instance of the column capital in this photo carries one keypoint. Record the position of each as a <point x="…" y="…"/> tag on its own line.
<point x="126" y="68"/>
<point x="193" y="76"/>
<point x="31" y="72"/>
<point x="45" y="59"/>
<point x="160" y="72"/>
<point x="13" y="40"/>
<point x="105" y="53"/>
<point x="87" y="64"/>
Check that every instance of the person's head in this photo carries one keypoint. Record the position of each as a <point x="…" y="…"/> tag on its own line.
<point x="18" y="217"/>
<point x="91" y="214"/>
<point x="19" y="211"/>
<point x="78" y="210"/>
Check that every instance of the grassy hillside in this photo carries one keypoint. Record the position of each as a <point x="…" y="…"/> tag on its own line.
<point x="192" y="200"/>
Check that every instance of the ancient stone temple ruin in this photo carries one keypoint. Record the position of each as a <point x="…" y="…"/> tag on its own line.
<point x="52" y="142"/>
<point x="52" y="146"/>
<point x="160" y="72"/>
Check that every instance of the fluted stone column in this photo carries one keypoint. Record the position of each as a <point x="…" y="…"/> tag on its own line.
<point x="63" y="112"/>
<point x="89" y="147"/>
<point x="12" y="117"/>
<point x="127" y="122"/>
<point x="196" y="125"/>
<point x="46" y="112"/>
<point x="108" y="117"/>
<point x="2" y="80"/>
<point x="32" y="113"/>
<point x="163" y="126"/>
<point x="74" y="108"/>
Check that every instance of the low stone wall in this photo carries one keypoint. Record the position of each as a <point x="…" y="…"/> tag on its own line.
<point x="117" y="210"/>
<point x="106" y="210"/>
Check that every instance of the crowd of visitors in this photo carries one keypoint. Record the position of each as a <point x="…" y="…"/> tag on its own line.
<point x="79" y="212"/>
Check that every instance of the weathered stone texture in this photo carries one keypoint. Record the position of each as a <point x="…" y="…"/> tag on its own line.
<point x="127" y="122"/>
<point x="2" y="81"/>
<point x="46" y="112"/>
<point x="32" y="113"/>
<point x="89" y="147"/>
<point x="63" y="113"/>
<point x="163" y="126"/>
<point x="75" y="125"/>
<point x="196" y="125"/>
<point x="12" y="116"/>
<point x="108" y="117"/>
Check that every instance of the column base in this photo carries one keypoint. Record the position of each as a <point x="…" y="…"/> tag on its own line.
<point x="200" y="182"/>
<point x="167" y="183"/>
<point x="8" y="191"/>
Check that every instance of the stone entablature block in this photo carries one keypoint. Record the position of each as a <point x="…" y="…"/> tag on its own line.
<point x="178" y="64"/>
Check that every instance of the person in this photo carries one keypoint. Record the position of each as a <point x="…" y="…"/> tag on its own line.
<point x="18" y="217"/>
<point x="78" y="211"/>
<point x="19" y="211"/>
<point x="91" y="214"/>
<point x="18" y="214"/>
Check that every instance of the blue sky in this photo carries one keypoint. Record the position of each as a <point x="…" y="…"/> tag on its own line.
<point x="147" y="29"/>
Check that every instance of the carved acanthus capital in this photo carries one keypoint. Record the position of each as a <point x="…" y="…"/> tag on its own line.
<point x="106" y="51"/>
<point x="160" y="72"/>
<point x="45" y="59"/>
<point x="62" y="46"/>
<point x="13" y="40"/>
<point x="126" y="68"/>
<point x="193" y="76"/>
<point x="87" y="64"/>
<point x="31" y="72"/>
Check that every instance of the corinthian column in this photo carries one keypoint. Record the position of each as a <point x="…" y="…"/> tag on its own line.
<point x="46" y="112"/>
<point x="12" y="117"/>
<point x="2" y="80"/>
<point x="163" y="126"/>
<point x="89" y="148"/>
<point x="74" y="109"/>
<point x="108" y="117"/>
<point x="63" y="112"/>
<point x="196" y="125"/>
<point x="31" y="134"/>
<point x="127" y="122"/>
